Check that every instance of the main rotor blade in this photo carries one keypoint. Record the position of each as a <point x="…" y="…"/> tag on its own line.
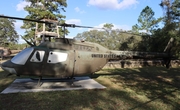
<point x="84" y="26"/>
<point x="48" y="22"/>
<point x="89" y="27"/>
<point x="2" y="16"/>
<point x="73" y="26"/>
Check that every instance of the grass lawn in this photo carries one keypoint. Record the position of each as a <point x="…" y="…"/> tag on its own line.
<point x="148" y="88"/>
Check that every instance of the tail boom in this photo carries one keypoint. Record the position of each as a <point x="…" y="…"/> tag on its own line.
<point x="137" y="55"/>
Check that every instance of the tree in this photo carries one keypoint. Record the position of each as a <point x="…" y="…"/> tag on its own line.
<point x="171" y="22"/>
<point x="113" y="39"/>
<point x="7" y="31"/>
<point x="146" y="21"/>
<point x="148" y="24"/>
<point x="171" y="14"/>
<point x="176" y="13"/>
<point x="135" y="29"/>
<point x="43" y="9"/>
<point x="108" y="26"/>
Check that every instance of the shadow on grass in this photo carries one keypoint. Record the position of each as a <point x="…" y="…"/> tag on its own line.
<point x="156" y="83"/>
<point x="5" y="80"/>
<point x="69" y="100"/>
<point x="142" y="88"/>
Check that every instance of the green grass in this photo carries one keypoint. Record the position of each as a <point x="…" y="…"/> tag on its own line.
<point x="150" y="88"/>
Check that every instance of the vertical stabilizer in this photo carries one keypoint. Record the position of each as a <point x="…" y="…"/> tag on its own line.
<point x="169" y="45"/>
<point x="167" y="61"/>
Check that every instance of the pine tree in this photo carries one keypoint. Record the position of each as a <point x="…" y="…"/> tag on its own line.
<point x="171" y="27"/>
<point x="7" y="31"/>
<point x="146" y="21"/>
<point x="43" y="9"/>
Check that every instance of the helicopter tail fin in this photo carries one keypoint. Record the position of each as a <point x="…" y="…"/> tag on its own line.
<point x="168" y="48"/>
<point x="169" y="45"/>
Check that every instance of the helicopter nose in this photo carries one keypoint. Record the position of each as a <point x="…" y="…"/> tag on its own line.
<point x="8" y="66"/>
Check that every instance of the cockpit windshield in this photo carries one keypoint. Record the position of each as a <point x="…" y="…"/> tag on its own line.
<point x="23" y="56"/>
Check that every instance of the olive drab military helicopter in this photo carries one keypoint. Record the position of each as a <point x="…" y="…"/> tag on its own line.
<point x="66" y="58"/>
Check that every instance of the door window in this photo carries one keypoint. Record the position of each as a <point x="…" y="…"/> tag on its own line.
<point x="56" y="57"/>
<point x="38" y="56"/>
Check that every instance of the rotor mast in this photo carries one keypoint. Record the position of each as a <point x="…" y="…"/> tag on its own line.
<point x="47" y="31"/>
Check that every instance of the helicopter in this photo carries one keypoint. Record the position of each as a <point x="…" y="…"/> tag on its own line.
<point x="67" y="58"/>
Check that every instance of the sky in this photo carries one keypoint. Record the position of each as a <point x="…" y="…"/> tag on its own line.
<point x="123" y="14"/>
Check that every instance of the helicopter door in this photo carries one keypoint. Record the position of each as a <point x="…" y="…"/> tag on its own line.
<point x="34" y="65"/>
<point x="55" y="64"/>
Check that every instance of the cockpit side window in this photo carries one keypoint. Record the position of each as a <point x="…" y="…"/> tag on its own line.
<point x="38" y="56"/>
<point x="22" y="57"/>
<point x="56" y="57"/>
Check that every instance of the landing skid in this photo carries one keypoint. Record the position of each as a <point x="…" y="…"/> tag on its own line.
<point x="54" y="79"/>
<point x="63" y="82"/>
